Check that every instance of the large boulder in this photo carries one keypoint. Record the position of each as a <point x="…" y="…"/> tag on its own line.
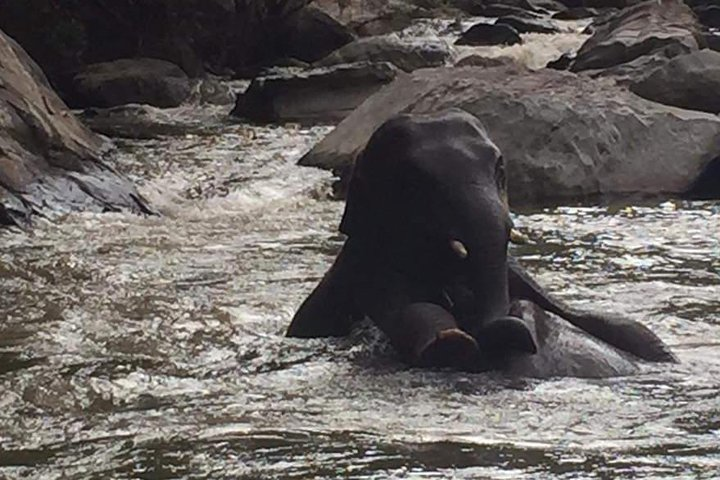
<point x="405" y="53"/>
<point x="485" y="34"/>
<point x="564" y="137"/>
<point x="639" y="31"/>
<point x="48" y="159"/>
<point x="311" y="34"/>
<point x="687" y="81"/>
<point x="326" y="94"/>
<point x="133" y="80"/>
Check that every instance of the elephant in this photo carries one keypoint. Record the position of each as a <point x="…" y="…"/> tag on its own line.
<point x="426" y="259"/>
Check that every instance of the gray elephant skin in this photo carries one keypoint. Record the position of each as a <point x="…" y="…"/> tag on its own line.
<point x="428" y="227"/>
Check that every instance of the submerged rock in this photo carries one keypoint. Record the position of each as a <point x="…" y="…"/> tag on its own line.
<point x="486" y="34"/>
<point x="406" y="54"/>
<point x="318" y="95"/>
<point x="564" y="137"/>
<point x="688" y="81"/>
<point x="132" y="80"/>
<point x="49" y="161"/>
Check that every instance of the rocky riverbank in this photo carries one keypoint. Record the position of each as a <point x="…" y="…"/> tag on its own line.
<point x="634" y="113"/>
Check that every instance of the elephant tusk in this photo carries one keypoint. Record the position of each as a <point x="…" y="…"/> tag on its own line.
<point x="518" y="238"/>
<point x="459" y="249"/>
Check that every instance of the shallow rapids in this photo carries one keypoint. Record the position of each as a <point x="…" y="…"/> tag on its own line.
<point x="154" y="347"/>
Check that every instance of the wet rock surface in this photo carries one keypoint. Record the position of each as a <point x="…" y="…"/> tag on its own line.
<point x="323" y="94"/>
<point x="133" y="80"/>
<point x="405" y="53"/>
<point x="564" y="137"/>
<point x="639" y="31"/>
<point x="49" y="161"/>
<point x="688" y="81"/>
<point x="528" y="25"/>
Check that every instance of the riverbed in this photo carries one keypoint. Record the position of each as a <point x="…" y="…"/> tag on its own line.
<point x="153" y="347"/>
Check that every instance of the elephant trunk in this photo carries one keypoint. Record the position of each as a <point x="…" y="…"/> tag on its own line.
<point x="480" y="293"/>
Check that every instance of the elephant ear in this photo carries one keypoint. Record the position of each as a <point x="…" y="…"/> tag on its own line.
<point x="374" y="178"/>
<point x="357" y="218"/>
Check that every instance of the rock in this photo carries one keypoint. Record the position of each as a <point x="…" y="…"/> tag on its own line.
<point x="197" y="35"/>
<point x="562" y="63"/>
<point x="133" y="80"/>
<point x="500" y="10"/>
<point x="486" y="62"/>
<point x="565" y="137"/>
<point x="526" y="25"/>
<point x="146" y="122"/>
<point x="576" y="13"/>
<point x="487" y="8"/>
<point x="48" y="160"/>
<point x="707" y="185"/>
<point x="638" y="31"/>
<point x="688" y="81"/>
<point x="640" y="68"/>
<point x="382" y="24"/>
<point x="318" y="95"/>
<point x="212" y="91"/>
<point x="489" y="34"/>
<point x="712" y="41"/>
<point x="406" y="54"/>
<point x="709" y="15"/>
<point x="311" y="34"/>
<point x="600" y="3"/>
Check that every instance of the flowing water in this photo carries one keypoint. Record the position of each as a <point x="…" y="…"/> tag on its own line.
<point x="153" y="347"/>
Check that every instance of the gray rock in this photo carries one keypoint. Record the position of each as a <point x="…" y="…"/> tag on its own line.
<point x="318" y="95"/>
<point x="576" y="13"/>
<point x="133" y="80"/>
<point x="688" y="81"/>
<point x="709" y="15"/>
<point x="528" y="25"/>
<point x="483" y="34"/>
<point x="563" y="62"/>
<point x="311" y="34"/>
<point x="712" y="41"/>
<point x="564" y="137"/>
<point x="145" y="122"/>
<point x="486" y="62"/>
<point x="499" y="10"/>
<point x="49" y="161"/>
<point x="406" y="54"/>
<point x="637" y="31"/>
<point x="641" y="67"/>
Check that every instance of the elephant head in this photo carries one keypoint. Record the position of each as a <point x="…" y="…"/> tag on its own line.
<point x="428" y="196"/>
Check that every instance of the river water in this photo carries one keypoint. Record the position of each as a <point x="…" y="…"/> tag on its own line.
<point x="153" y="347"/>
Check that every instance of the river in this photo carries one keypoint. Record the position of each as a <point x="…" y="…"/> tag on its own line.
<point x="153" y="347"/>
